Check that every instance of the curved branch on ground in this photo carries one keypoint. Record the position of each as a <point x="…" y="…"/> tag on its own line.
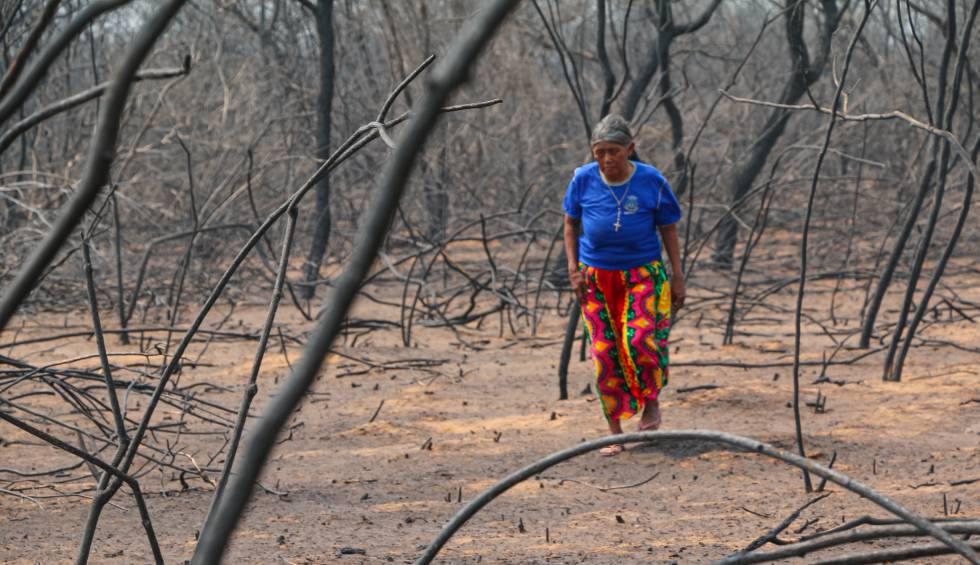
<point x="724" y="438"/>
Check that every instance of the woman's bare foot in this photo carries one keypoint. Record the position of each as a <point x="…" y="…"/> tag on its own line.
<point x="612" y="450"/>
<point x="651" y="418"/>
<point x="615" y="428"/>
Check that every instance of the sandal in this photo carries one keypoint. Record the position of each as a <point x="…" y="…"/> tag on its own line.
<point x="654" y="425"/>
<point x="612" y="450"/>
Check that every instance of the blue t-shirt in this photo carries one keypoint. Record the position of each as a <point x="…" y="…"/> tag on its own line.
<point x="647" y="202"/>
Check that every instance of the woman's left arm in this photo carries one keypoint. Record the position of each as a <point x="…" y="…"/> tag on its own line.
<point x="678" y="292"/>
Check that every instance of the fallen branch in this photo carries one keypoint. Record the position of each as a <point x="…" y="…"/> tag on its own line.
<point x="821" y="541"/>
<point x="774" y="364"/>
<point x="607" y="489"/>
<point x="896" y="554"/>
<point x="686" y="389"/>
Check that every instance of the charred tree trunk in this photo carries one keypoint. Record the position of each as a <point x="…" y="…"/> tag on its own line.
<point x="321" y="233"/>
<point x="935" y="118"/>
<point x="891" y="372"/>
<point x="436" y="192"/>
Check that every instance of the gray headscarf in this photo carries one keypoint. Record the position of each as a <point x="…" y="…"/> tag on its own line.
<point x="612" y="128"/>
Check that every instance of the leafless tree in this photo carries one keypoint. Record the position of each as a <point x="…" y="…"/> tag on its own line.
<point x="806" y="69"/>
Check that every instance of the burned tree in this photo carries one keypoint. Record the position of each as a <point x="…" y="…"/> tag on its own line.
<point x="806" y="70"/>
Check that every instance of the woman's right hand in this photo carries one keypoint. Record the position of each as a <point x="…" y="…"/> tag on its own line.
<point x="578" y="284"/>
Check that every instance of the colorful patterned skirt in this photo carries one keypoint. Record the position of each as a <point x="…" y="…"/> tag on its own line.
<point x="627" y="317"/>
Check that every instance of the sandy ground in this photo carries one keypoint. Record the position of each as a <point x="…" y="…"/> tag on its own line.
<point x="443" y="435"/>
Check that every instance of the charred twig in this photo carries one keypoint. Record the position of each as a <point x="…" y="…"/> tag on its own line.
<point x="686" y="389"/>
<point x="774" y="533"/>
<point x="755" y="235"/>
<point x="616" y="487"/>
<point x="117" y="414"/>
<point x="830" y="465"/>
<point x="377" y="411"/>
<point x="22" y="496"/>
<point x="252" y="387"/>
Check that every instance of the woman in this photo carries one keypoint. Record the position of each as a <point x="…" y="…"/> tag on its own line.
<point x="614" y="209"/>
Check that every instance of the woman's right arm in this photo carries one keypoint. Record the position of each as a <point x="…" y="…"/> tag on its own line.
<point x="573" y="228"/>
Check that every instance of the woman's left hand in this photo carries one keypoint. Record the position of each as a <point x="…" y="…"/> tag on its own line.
<point x="678" y="293"/>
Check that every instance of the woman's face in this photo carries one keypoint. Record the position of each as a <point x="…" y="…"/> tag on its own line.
<point x="613" y="159"/>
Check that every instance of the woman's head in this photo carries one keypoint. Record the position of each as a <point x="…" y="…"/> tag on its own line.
<point x="612" y="145"/>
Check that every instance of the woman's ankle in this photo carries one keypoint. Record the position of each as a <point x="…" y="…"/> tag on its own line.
<point x="615" y="427"/>
<point x="652" y="407"/>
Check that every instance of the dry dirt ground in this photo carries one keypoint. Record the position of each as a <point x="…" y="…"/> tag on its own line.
<point x="443" y="435"/>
